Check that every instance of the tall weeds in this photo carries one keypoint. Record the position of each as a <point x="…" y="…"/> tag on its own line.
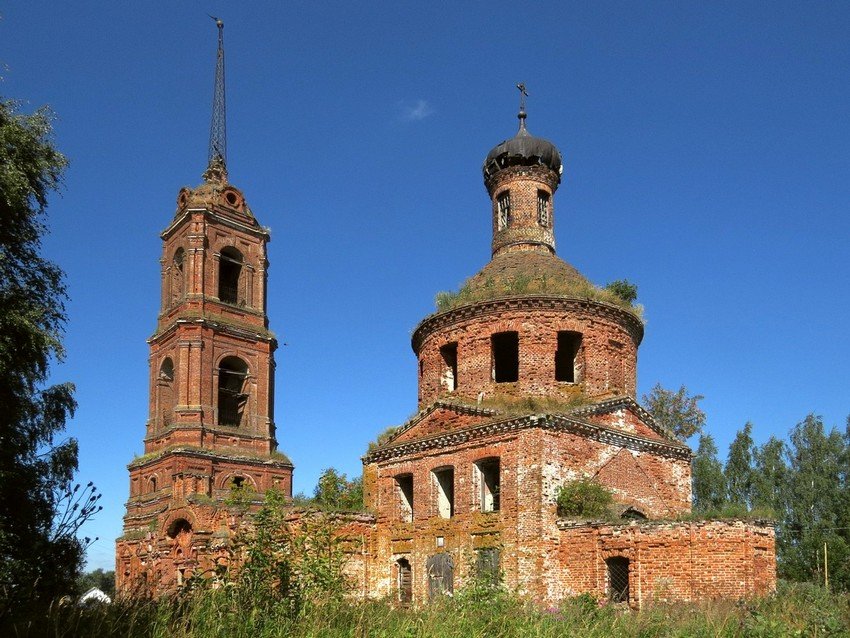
<point x="795" y="610"/>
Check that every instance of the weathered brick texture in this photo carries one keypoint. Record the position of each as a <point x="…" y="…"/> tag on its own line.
<point x="196" y="449"/>
<point x="471" y="481"/>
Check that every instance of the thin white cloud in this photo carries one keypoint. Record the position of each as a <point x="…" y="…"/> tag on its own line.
<point x="416" y="112"/>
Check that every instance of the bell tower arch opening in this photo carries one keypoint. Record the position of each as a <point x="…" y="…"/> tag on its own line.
<point x="165" y="390"/>
<point x="232" y="397"/>
<point x="230" y="267"/>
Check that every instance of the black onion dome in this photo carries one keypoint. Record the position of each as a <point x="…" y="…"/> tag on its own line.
<point x="523" y="149"/>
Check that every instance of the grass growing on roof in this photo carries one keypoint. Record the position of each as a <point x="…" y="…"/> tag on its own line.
<point x="521" y="284"/>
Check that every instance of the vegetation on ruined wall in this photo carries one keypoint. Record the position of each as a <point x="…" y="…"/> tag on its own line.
<point x="511" y="405"/>
<point x="795" y="611"/>
<point x="584" y="498"/>
<point x="619" y="293"/>
<point x="334" y="492"/>
<point x="383" y="437"/>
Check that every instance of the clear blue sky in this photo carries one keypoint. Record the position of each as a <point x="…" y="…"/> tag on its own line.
<point x="707" y="159"/>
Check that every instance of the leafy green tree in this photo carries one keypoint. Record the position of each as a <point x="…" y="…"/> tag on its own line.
<point x="103" y="580"/>
<point x="40" y="556"/>
<point x="816" y="485"/>
<point x="624" y="289"/>
<point x="739" y="468"/>
<point x="770" y="477"/>
<point x="335" y="491"/>
<point x="676" y="411"/>
<point x="709" y="484"/>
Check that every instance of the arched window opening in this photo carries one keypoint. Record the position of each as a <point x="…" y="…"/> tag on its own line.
<point x="237" y="482"/>
<point x="179" y="527"/>
<point x="166" y="370"/>
<point x="404" y="582"/>
<point x="632" y="514"/>
<point x="177" y="276"/>
<point x="152" y="484"/>
<point x="165" y="384"/>
<point x="618" y="579"/>
<point x="232" y="397"/>
<point x="404" y="486"/>
<point x="229" y="275"/>
<point x="566" y="356"/>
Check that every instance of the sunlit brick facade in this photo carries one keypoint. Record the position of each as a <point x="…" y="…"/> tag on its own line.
<point x="211" y="423"/>
<point x="527" y="381"/>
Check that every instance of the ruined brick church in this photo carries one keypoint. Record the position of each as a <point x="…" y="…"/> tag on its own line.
<point x="527" y="379"/>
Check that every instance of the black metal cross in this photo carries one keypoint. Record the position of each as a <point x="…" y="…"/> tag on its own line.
<point x="522" y="95"/>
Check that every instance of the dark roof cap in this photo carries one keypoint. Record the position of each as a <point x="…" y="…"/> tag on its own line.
<point x="523" y="149"/>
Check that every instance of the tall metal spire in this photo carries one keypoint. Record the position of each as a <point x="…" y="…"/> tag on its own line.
<point x="218" y="125"/>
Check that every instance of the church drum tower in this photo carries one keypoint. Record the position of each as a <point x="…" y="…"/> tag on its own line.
<point x="527" y="381"/>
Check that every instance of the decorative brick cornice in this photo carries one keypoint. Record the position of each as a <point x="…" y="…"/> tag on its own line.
<point x="588" y="307"/>
<point x="226" y="430"/>
<point x="446" y="404"/>
<point x="509" y="174"/>
<point x="650" y="527"/>
<point x="629" y="403"/>
<point x="551" y="422"/>
<point x="222" y="326"/>
<point x="212" y="455"/>
<point x="256" y="230"/>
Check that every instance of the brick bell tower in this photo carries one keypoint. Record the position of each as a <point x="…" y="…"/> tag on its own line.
<point x="210" y="426"/>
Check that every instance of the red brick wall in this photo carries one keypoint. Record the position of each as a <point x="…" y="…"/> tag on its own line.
<point x="534" y="463"/>
<point x="670" y="561"/>
<point x="198" y="457"/>
<point x="605" y="365"/>
<point x="523" y="182"/>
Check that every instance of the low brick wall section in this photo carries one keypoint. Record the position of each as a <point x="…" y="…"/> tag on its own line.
<point x="681" y="561"/>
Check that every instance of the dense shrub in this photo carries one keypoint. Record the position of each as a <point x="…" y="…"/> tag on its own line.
<point x="584" y="498"/>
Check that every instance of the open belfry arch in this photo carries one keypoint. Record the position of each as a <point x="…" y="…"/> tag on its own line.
<point x="211" y="425"/>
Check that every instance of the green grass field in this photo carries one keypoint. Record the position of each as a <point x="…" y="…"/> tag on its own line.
<point x="795" y="610"/>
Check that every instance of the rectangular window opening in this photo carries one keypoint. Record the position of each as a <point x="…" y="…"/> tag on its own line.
<point x="445" y="483"/>
<point x="543" y="208"/>
<point x="487" y="566"/>
<point x="566" y="356"/>
<point x="404" y="483"/>
<point x="449" y="378"/>
<point x="505" y="350"/>
<point x="503" y="205"/>
<point x="488" y="474"/>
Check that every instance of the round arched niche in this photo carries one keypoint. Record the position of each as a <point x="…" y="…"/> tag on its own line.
<point x="178" y="527"/>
